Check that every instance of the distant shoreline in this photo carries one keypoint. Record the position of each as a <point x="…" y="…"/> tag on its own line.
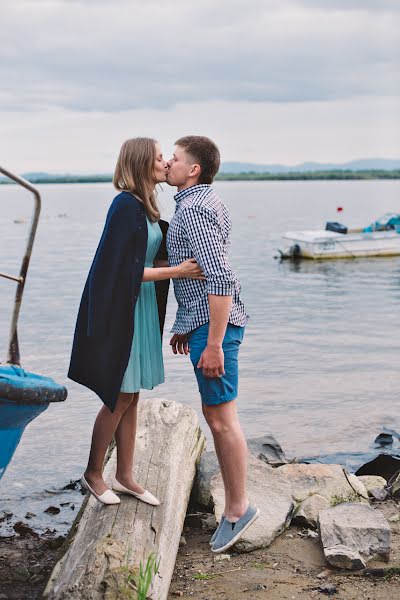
<point x="328" y="175"/>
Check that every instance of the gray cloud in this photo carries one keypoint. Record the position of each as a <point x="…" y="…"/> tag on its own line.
<point x="97" y="55"/>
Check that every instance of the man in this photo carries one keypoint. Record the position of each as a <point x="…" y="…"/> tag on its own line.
<point x="210" y="319"/>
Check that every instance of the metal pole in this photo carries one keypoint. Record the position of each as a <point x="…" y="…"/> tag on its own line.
<point x="13" y="350"/>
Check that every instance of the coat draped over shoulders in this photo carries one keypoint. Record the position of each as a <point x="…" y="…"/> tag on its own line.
<point x="105" y="323"/>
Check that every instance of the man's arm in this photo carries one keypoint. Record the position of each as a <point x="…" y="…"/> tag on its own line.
<point x="212" y="359"/>
<point x="206" y="241"/>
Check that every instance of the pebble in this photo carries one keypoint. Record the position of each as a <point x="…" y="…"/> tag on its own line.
<point x="21" y="573"/>
<point x="182" y="541"/>
<point x="329" y="589"/>
<point x="52" y="510"/>
<point x="394" y="519"/>
<point x="323" y="574"/>
<point x="30" y="515"/>
<point x="219" y="557"/>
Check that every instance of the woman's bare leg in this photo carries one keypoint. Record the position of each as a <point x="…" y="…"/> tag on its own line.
<point x="104" y="428"/>
<point x="125" y="436"/>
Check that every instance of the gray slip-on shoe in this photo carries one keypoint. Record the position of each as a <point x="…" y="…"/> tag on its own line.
<point x="230" y="533"/>
<point x="214" y="535"/>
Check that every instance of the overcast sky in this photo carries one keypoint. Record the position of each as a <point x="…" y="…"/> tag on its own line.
<point x="270" y="81"/>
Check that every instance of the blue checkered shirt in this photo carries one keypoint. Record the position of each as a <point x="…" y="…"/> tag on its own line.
<point x="200" y="229"/>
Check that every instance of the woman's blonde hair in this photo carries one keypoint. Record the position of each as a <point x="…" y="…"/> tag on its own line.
<point x="134" y="173"/>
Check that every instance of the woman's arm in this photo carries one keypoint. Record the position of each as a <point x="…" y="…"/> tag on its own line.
<point x="159" y="273"/>
<point x="188" y="269"/>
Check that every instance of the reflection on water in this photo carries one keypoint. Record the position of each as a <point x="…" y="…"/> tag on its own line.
<point x="319" y="363"/>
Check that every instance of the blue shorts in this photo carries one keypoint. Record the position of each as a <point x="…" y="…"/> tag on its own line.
<point x="218" y="389"/>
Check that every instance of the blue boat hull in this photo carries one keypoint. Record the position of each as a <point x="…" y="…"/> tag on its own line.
<point x="13" y="420"/>
<point x="23" y="396"/>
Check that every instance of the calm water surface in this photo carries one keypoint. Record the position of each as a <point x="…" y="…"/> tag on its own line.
<point x="320" y="360"/>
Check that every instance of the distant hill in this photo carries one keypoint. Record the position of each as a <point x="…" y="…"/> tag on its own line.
<point x="354" y="165"/>
<point x="368" y="168"/>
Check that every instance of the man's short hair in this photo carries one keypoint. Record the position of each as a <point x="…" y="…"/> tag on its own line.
<point x="204" y="152"/>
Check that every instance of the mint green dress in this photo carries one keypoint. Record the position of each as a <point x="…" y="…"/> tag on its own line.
<point x="145" y="368"/>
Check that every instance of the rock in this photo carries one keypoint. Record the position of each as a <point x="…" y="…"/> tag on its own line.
<point x="193" y="520"/>
<point x="219" y="557"/>
<point x="52" y="510"/>
<point x="384" y="439"/>
<point x="268" y="489"/>
<point x="393" y="485"/>
<point x="356" y="484"/>
<point x="208" y="522"/>
<point x="378" y="494"/>
<point x="206" y="469"/>
<point x="5" y="515"/>
<point x="324" y="573"/>
<point x="309" y="510"/>
<point x="312" y="534"/>
<point x="394" y="519"/>
<point x="3" y="597"/>
<point x="20" y="573"/>
<point x="329" y="589"/>
<point x="384" y="465"/>
<point x="267" y="449"/>
<point x="352" y="532"/>
<point x="23" y="529"/>
<point x="372" y="481"/>
<point x="182" y="541"/>
<point x="343" y="557"/>
<point x="329" y="481"/>
<point x="73" y="485"/>
<point x="30" y="515"/>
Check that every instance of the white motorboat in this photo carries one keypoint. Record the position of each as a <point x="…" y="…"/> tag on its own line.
<point x="382" y="238"/>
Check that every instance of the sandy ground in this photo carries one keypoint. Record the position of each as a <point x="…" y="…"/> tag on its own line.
<point x="288" y="569"/>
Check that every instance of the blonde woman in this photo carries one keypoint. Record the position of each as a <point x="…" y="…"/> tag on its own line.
<point x="117" y="344"/>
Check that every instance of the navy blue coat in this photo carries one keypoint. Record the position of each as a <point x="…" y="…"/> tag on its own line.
<point x="105" y="323"/>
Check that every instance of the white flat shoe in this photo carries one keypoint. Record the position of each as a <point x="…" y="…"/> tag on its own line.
<point x="145" y="497"/>
<point x="107" y="497"/>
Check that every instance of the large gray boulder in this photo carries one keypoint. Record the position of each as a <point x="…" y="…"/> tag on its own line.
<point x="206" y="469"/>
<point x="329" y="481"/>
<point x="271" y="492"/>
<point x="352" y="533"/>
<point x="265" y="448"/>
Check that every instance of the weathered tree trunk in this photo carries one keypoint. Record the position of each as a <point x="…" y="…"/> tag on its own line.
<point x="109" y="542"/>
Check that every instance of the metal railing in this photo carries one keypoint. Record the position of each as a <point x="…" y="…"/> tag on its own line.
<point x="13" y="356"/>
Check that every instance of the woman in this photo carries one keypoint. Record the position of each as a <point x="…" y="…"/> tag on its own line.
<point x="117" y="342"/>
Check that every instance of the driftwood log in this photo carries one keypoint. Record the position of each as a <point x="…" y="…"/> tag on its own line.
<point x="108" y="543"/>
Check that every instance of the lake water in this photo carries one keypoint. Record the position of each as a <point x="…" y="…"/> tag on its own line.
<point x="320" y="360"/>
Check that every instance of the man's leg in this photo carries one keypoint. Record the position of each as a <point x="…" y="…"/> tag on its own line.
<point x="219" y="456"/>
<point x="231" y="448"/>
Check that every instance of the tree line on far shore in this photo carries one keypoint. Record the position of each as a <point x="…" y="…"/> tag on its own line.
<point x="339" y="174"/>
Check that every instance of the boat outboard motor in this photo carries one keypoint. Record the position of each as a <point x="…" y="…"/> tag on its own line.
<point x="336" y="227"/>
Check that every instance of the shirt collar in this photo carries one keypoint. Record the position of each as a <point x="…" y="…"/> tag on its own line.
<point x="193" y="189"/>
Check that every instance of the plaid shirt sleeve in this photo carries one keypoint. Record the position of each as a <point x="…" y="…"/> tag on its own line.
<point x="205" y="237"/>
